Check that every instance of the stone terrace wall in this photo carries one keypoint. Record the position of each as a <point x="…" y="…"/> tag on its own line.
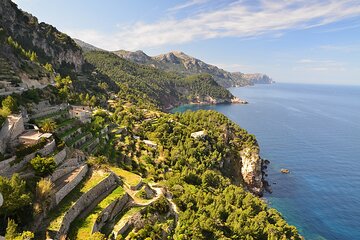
<point x="60" y="172"/>
<point x="6" y="163"/>
<point x="110" y="212"/>
<point x="60" y="156"/>
<point x="45" y="151"/>
<point x="109" y="183"/>
<point x="71" y="185"/>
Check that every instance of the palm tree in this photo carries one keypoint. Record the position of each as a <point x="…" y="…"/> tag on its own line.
<point x="48" y="125"/>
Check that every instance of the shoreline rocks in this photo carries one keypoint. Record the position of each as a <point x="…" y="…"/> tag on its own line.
<point x="285" y="171"/>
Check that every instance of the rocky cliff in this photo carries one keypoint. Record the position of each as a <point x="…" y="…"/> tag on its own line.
<point x="257" y="78"/>
<point x="46" y="41"/>
<point x="251" y="170"/>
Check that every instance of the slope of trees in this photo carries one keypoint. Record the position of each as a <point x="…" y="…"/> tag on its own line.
<point x="140" y="83"/>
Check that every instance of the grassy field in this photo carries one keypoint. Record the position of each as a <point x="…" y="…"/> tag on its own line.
<point x="130" y="178"/>
<point x="57" y="214"/>
<point x="81" y="228"/>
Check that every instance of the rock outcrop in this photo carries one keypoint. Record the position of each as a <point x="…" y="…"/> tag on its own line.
<point x="49" y="44"/>
<point x="251" y="170"/>
<point x="258" y="78"/>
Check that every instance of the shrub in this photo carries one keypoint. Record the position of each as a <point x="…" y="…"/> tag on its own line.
<point x="43" y="166"/>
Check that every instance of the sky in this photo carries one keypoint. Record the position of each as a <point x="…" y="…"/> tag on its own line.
<point x="299" y="41"/>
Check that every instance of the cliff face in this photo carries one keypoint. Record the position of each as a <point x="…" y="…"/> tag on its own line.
<point x="258" y="78"/>
<point x="251" y="170"/>
<point x="49" y="44"/>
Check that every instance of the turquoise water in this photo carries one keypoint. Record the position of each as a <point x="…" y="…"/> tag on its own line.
<point x="314" y="131"/>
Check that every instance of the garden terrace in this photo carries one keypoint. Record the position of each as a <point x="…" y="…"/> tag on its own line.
<point x="78" y="140"/>
<point x="69" y="132"/>
<point x="132" y="180"/>
<point x="65" y="125"/>
<point x="90" y="145"/>
<point x="55" y="115"/>
<point x="57" y="214"/>
<point x="82" y="227"/>
<point x="122" y="220"/>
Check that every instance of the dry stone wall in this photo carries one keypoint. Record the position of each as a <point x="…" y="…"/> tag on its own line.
<point x="60" y="156"/>
<point x="111" y="211"/>
<point x="108" y="184"/>
<point x="71" y="185"/>
<point x="11" y="169"/>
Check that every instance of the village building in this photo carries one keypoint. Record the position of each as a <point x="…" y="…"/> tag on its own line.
<point x="32" y="137"/>
<point x="83" y="113"/>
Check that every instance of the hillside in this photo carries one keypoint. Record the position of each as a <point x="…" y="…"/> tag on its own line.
<point x="163" y="89"/>
<point x="187" y="65"/>
<point x="91" y="154"/>
<point x="30" y="51"/>
<point x="86" y="47"/>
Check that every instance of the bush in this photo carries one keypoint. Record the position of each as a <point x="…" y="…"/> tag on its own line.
<point x="43" y="166"/>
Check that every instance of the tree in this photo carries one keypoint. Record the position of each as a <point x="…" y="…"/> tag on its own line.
<point x="43" y="190"/>
<point x="33" y="57"/>
<point x="49" y="67"/>
<point x="12" y="234"/>
<point x="92" y="101"/>
<point x="42" y="165"/>
<point x="14" y="193"/>
<point x="11" y="229"/>
<point x="48" y="125"/>
<point x="103" y="85"/>
<point x="10" y="104"/>
<point x="210" y="179"/>
<point x="97" y="236"/>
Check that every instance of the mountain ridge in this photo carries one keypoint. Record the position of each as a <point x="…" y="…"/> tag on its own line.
<point x="185" y="64"/>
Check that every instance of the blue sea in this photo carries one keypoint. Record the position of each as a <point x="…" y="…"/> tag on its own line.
<point x="314" y="131"/>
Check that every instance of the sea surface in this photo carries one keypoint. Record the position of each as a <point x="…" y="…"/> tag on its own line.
<point x="314" y="131"/>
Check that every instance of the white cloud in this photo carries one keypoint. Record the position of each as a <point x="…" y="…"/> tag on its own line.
<point x="239" y="19"/>
<point x="187" y="5"/>
<point x="319" y="65"/>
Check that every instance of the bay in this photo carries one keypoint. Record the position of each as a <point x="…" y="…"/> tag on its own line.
<point x="314" y="131"/>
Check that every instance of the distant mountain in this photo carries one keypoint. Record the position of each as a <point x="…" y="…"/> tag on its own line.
<point x="187" y="65"/>
<point x="257" y="78"/>
<point x="183" y="64"/>
<point x="86" y="47"/>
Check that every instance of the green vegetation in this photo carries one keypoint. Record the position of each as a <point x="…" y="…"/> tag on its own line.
<point x="146" y="85"/>
<point x="48" y="125"/>
<point x="10" y="104"/>
<point x="57" y="214"/>
<point x="129" y="178"/>
<point x="122" y="219"/>
<point x="24" y="150"/>
<point x="43" y="165"/>
<point x="15" y="195"/>
<point x="82" y="227"/>
<point x="31" y="55"/>
<point x="12" y="234"/>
